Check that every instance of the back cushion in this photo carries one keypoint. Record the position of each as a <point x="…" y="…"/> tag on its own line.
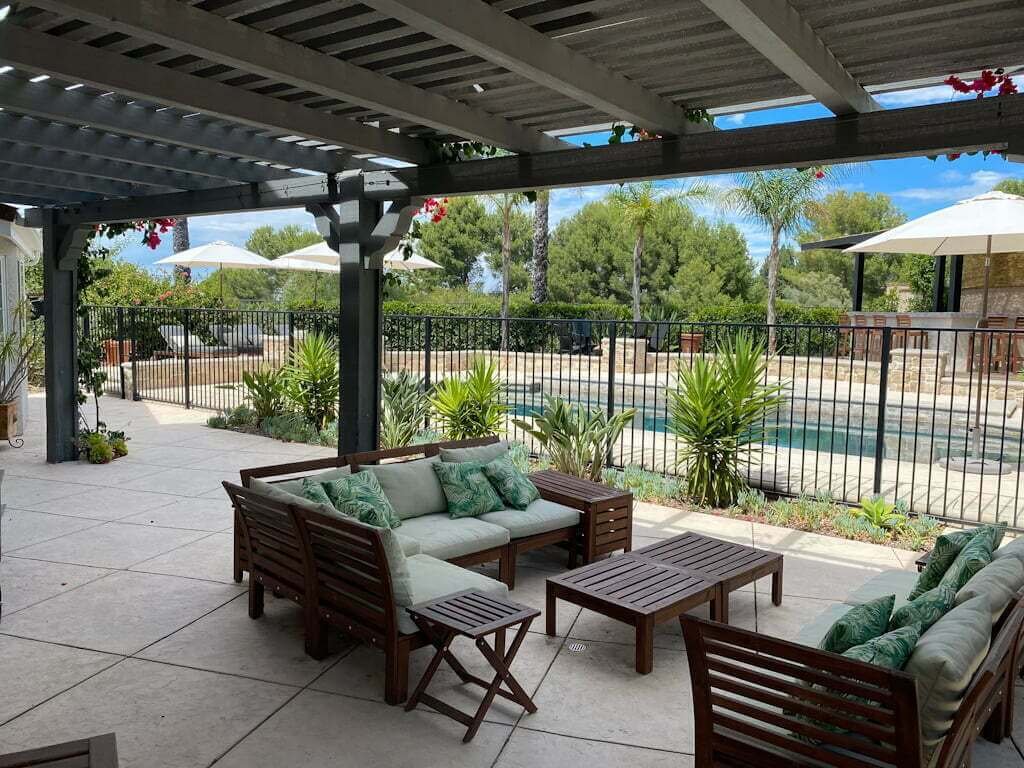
<point x="412" y="487"/>
<point x="274" y="492"/>
<point x="1013" y="548"/>
<point x="481" y="453"/>
<point x="999" y="581"/>
<point x="943" y="663"/>
<point x="295" y="486"/>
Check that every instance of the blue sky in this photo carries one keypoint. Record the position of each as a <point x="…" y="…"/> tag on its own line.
<point x="917" y="185"/>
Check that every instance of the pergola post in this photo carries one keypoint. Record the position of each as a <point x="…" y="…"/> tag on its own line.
<point x="349" y="230"/>
<point x="939" y="285"/>
<point x="858" y="282"/>
<point x="62" y="246"/>
<point x="956" y="282"/>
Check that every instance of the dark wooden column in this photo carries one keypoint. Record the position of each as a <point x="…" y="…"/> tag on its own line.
<point x="858" y="281"/>
<point x="349" y="229"/>
<point x="956" y="282"/>
<point x="939" y="285"/>
<point x="62" y="245"/>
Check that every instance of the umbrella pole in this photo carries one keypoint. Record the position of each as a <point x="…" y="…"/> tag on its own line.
<point x="982" y="340"/>
<point x="221" y="270"/>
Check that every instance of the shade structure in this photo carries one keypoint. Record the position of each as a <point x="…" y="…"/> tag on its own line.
<point x="321" y="253"/>
<point x="992" y="222"/>
<point x="217" y="254"/>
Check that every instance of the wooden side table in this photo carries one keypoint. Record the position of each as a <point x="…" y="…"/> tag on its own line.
<point x="95" y="752"/>
<point x="607" y="524"/>
<point x="474" y="615"/>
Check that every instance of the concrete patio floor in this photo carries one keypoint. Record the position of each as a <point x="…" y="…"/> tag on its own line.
<point x="120" y="615"/>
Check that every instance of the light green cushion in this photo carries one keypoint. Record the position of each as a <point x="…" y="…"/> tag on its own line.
<point x="360" y="496"/>
<point x="891" y="650"/>
<point x="858" y="625"/>
<point x="275" y="493"/>
<point x="925" y="610"/>
<point x="411" y="486"/>
<point x="972" y="558"/>
<point x="467" y="489"/>
<point x="442" y="537"/>
<point x="432" y="578"/>
<point x="540" y="517"/>
<point x="999" y="581"/>
<point x="947" y="548"/>
<point x="481" y="453"/>
<point x="295" y="486"/>
<point x="943" y="663"/>
<point x="1013" y="548"/>
<point x="409" y="545"/>
<point x="515" y="488"/>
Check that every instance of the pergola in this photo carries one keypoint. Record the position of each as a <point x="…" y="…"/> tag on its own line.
<point x="127" y="110"/>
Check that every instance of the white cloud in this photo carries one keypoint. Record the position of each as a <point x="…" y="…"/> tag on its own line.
<point x="935" y="94"/>
<point x="978" y="182"/>
<point x="733" y="121"/>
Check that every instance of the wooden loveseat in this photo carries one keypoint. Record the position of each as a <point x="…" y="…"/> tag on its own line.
<point x="765" y="702"/>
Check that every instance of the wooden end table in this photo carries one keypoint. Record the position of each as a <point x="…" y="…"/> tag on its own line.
<point x="474" y="615"/>
<point x="732" y="565"/>
<point x="95" y="752"/>
<point x="607" y="513"/>
<point x="638" y="592"/>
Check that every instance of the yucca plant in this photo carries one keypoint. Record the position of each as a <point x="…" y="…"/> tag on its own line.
<point x="473" y="406"/>
<point x="403" y="409"/>
<point x="16" y="350"/>
<point x="576" y="439"/>
<point x="311" y="379"/>
<point x="718" y="409"/>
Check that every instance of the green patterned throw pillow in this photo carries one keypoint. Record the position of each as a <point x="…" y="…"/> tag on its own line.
<point x="947" y="547"/>
<point x="925" y="610"/>
<point x="858" y="625"/>
<point x="514" y="487"/>
<point x="972" y="558"/>
<point x="467" y="489"/>
<point x="314" y="491"/>
<point x="360" y="496"/>
<point x="891" y="650"/>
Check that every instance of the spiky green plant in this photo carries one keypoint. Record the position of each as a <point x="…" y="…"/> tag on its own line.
<point x="718" y="408"/>
<point x="473" y="406"/>
<point x="403" y="409"/>
<point x="311" y="379"/>
<point x="266" y="392"/>
<point x="577" y="439"/>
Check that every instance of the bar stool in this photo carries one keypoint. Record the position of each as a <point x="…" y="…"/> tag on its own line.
<point x="844" y="334"/>
<point x="875" y="339"/>
<point x="860" y="337"/>
<point x="907" y="336"/>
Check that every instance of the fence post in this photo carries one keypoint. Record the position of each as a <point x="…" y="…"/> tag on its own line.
<point x="291" y="331"/>
<point x="188" y="356"/>
<point x="120" y="349"/>
<point x="428" y="341"/>
<point x="613" y="330"/>
<point x="883" y="387"/>
<point x="133" y="353"/>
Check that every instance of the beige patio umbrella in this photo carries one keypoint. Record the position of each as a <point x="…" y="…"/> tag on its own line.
<point x="217" y="254"/>
<point x="989" y="223"/>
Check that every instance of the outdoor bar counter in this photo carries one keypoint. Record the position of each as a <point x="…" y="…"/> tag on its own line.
<point x="934" y="323"/>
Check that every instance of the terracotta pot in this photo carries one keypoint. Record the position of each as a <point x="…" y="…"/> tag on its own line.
<point x="8" y="420"/>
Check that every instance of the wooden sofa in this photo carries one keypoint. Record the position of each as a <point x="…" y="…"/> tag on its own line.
<point x="505" y="554"/>
<point x="750" y="691"/>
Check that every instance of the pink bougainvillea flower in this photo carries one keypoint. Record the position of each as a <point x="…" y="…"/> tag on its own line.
<point x="819" y="174"/>
<point x="1007" y="87"/>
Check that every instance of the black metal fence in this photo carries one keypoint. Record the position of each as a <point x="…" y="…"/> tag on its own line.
<point x="892" y="411"/>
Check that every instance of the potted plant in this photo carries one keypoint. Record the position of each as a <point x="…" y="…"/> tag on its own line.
<point x="16" y="348"/>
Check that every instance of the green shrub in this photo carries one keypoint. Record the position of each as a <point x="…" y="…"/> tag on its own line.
<point x="118" y="443"/>
<point x="311" y="379"/>
<point x="718" y="408"/>
<point x="644" y="485"/>
<point x="291" y="428"/>
<point x="329" y="435"/>
<point x="266" y="392"/>
<point x="576" y="439"/>
<point x="473" y="406"/>
<point x="217" y="422"/>
<point x="95" y="447"/>
<point x="403" y="409"/>
<point x="879" y="513"/>
<point x="241" y="417"/>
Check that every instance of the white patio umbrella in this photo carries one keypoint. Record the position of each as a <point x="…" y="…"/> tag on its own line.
<point x="989" y="223"/>
<point x="295" y="264"/>
<point x="321" y="253"/>
<point x="218" y="254"/>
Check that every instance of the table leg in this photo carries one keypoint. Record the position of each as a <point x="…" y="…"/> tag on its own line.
<point x="777" y="587"/>
<point x="502" y="675"/>
<point x="549" y="611"/>
<point x="645" y="645"/>
<point x="720" y="607"/>
<point x="442" y="651"/>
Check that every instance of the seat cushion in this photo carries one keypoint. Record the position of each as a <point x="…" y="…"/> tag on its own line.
<point x="481" y="453"/>
<point x="412" y="487"/>
<point x="540" y="516"/>
<point x="432" y="578"/>
<point x="943" y="663"/>
<point x="409" y="545"/>
<point x="442" y="537"/>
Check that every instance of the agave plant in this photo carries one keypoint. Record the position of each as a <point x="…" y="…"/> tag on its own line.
<point x="880" y="513"/>
<point x="718" y="409"/>
<point x="403" y="409"/>
<point x="266" y="392"/>
<point x="577" y="439"/>
<point x="473" y="406"/>
<point x="311" y="379"/>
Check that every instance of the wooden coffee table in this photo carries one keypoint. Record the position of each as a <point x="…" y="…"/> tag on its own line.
<point x="660" y="582"/>
<point x="636" y="591"/>
<point x="733" y="565"/>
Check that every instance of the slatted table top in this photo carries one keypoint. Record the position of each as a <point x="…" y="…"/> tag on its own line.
<point x="711" y="557"/>
<point x="583" y="490"/>
<point x="636" y="584"/>
<point x="472" y="613"/>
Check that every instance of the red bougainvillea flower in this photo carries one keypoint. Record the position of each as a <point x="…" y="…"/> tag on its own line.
<point x="152" y="239"/>
<point x="957" y="84"/>
<point x="1007" y="87"/>
<point x="819" y="174"/>
<point x="953" y="155"/>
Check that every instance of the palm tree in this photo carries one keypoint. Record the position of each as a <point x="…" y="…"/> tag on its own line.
<point x="179" y="243"/>
<point x="505" y="205"/>
<point x="778" y="200"/>
<point x="540" y="247"/>
<point x="639" y="206"/>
